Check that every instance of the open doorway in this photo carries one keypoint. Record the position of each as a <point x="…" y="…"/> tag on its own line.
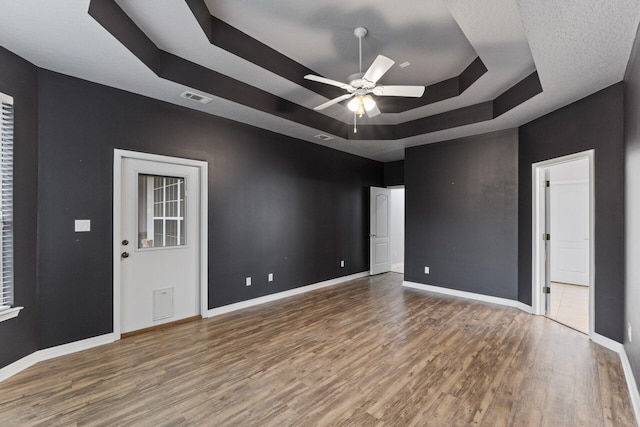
<point x="563" y="240"/>
<point x="397" y="229"/>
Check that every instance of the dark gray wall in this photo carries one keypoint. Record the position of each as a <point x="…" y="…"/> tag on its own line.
<point x="276" y="204"/>
<point x="595" y="122"/>
<point x="632" y="207"/>
<point x="394" y="173"/>
<point x="18" y="78"/>
<point x="291" y="208"/>
<point x="462" y="214"/>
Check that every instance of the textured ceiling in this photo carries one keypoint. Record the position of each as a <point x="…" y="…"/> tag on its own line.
<point x="320" y="35"/>
<point x="577" y="48"/>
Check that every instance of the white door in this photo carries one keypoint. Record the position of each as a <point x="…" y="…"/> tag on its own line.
<point x="379" y="236"/>
<point x="570" y="232"/>
<point x="160" y="241"/>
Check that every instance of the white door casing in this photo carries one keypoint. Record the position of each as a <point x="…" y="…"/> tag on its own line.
<point x="539" y="228"/>
<point x="172" y="279"/>
<point x="547" y="243"/>
<point x="380" y="242"/>
<point x="570" y="232"/>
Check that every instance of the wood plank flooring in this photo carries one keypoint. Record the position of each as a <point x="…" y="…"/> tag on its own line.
<point x="365" y="353"/>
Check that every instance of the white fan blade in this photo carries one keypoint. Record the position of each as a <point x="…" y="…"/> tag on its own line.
<point x="333" y="101"/>
<point x="408" y="91"/>
<point x="324" y="80"/>
<point x="373" y="112"/>
<point x="380" y="66"/>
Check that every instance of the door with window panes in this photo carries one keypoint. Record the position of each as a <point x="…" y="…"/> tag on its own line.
<point x="160" y="243"/>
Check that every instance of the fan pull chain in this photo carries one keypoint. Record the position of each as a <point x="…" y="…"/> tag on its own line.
<point x="355" y="118"/>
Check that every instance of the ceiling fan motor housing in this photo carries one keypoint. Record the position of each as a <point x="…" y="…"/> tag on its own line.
<point x="358" y="82"/>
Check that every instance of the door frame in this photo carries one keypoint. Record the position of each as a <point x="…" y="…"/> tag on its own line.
<point x="538" y="227"/>
<point x="118" y="156"/>
<point x="404" y="220"/>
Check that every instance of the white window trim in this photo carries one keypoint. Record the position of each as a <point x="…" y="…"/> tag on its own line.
<point x="7" y="312"/>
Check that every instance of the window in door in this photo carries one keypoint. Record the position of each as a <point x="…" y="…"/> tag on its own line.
<point x="161" y="206"/>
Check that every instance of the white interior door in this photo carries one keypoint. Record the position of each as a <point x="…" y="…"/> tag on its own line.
<point x="570" y="232"/>
<point x="380" y="242"/>
<point x="160" y="243"/>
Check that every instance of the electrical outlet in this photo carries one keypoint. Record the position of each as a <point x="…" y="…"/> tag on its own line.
<point x="270" y="277"/>
<point x="629" y="331"/>
<point x="426" y="270"/>
<point x="248" y="281"/>
<point x="342" y="263"/>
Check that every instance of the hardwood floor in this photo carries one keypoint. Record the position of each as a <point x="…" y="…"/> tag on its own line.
<point x="365" y="353"/>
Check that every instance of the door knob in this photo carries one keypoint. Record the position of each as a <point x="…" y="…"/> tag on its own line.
<point x="125" y="255"/>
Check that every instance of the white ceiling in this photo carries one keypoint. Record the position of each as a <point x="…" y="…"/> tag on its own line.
<point x="320" y="35"/>
<point x="577" y="46"/>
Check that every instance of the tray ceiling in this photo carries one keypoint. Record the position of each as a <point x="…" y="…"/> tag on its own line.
<point x="519" y="59"/>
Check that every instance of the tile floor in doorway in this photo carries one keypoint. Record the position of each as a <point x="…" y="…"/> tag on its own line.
<point x="398" y="268"/>
<point x="570" y="305"/>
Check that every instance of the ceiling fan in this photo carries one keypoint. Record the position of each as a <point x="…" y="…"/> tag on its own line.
<point x="362" y="85"/>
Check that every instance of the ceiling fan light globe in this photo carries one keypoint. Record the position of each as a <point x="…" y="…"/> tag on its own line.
<point x="369" y="103"/>
<point x="353" y="104"/>
<point x="361" y="109"/>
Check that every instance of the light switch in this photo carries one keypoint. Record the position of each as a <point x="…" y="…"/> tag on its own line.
<point x="83" y="225"/>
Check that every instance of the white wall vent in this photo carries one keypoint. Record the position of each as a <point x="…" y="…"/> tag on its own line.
<point x="162" y="303"/>
<point x="196" y="97"/>
<point x="323" y="137"/>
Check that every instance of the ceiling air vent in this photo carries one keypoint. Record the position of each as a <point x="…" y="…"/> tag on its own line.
<point x="196" y="97"/>
<point x="323" y="137"/>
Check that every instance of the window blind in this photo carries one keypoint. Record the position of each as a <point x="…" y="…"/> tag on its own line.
<point x="6" y="204"/>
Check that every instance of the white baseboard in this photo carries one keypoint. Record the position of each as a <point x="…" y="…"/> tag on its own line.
<point x="597" y="338"/>
<point x="607" y="342"/>
<point x="50" y="353"/>
<point x="18" y="366"/>
<point x="469" y="295"/>
<point x="62" y="350"/>
<point x="631" y="384"/>
<point x="285" y="294"/>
